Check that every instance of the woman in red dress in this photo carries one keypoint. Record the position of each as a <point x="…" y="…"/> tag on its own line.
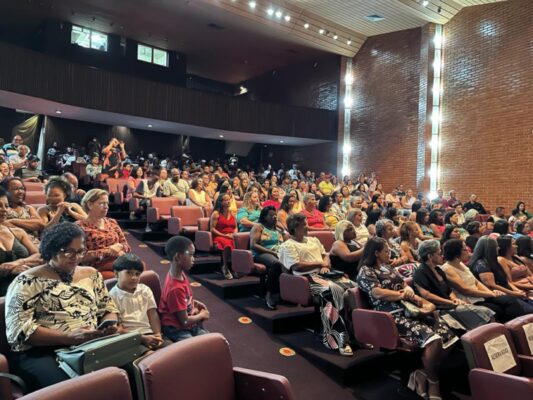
<point x="223" y="227"/>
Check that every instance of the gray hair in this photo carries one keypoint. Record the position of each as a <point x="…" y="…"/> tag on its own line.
<point x="308" y="196"/>
<point x="427" y="248"/>
<point x="381" y="226"/>
<point x="341" y="227"/>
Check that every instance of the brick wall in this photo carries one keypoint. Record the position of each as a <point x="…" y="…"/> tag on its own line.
<point x="384" y="123"/>
<point x="487" y="128"/>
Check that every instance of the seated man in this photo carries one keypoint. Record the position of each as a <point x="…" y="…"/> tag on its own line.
<point x="474" y="204"/>
<point x="31" y="173"/>
<point x="453" y="201"/>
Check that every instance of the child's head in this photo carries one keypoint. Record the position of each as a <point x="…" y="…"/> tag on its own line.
<point x="128" y="269"/>
<point x="180" y="250"/>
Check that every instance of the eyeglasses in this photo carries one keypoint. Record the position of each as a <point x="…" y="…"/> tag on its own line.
<point x="71" y="253"/>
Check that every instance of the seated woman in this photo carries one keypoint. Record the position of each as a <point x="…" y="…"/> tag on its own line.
<point x="515" y="269"/>
<point x="227" y="190"/>
<point x="133" y="181"/>
<point x="313" y="189"/>
<point x="273" y="198"/>
<point x="474" y="233"/>
<point x="146" y="190"/>
<point x="338" y="207"/>
<point x="485" y="267"/>
<point x="385" y="229"/>
<point x="265" y="240"/>
<point x="520" y="211"/>
<point x="57" y="209"/>
<point x="21" y="215"/>
<point x="303" y="255"/>
<point x="223" y="226"/>
<point x="298" y="205"/>
<point x="467" y="288"/>
<point x="501" y="226"/>
<point x="315" y="219"/>
<point x="249" y="213"/>
<point x="422" y="219"/>
<point x="17" y="251"/>
<point x="521" y="228"/>
<point x="386" y="291"/>
<point x="76" y="301"/>
<point x="409" y="243"/>
<point x="450" y="232"/>
<point x="524" y="251"/>
<point x="374" y="215"/>
<point x="436" y="223"/>
<point x="346" y="200"/>
<point x="285" y="209"/>
<point x="346" y="251"/>
<point x="197" y="195"/>
<point x="324" y="206"/>
<point x="431" y="283"/>
<point x="355" y="216"/>
<point x="104" y="239"/>
<point x="236" y="188"/>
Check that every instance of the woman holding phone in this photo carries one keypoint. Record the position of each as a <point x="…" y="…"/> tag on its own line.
<point x="57" y="304"/>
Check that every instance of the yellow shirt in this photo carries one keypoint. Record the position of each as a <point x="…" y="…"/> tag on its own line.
<point x="326" y="188"/>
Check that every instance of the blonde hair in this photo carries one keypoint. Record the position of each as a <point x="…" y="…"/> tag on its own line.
<point x="246" y="201"/>
<point x="341" y="227"/>
<point x="91" y="196"/>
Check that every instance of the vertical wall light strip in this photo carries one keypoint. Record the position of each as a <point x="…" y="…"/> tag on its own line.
<point x="347" y="104"/>
<point x="434" y="172"/>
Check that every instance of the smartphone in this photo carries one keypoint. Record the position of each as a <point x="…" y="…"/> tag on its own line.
<point x="107" y="323"/>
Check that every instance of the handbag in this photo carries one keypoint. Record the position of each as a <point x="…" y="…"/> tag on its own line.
<point x="333" y="274"/>
<point x="414" y="311"/>
<point x="114" y="350"/>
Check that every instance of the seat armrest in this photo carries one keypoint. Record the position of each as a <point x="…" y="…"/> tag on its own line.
<point x="6" y="391"/>
<point x="376" y="328"/>
<point x="295" y="289"/>
<point x="242" y="261"/>
<point x="203" y="241"/>
<point x="174" y="225"/>
<point x="257" y="385"/>
<point x="203" y="224"/>
<point x="152" y="215"/>
<point x="490" y="385"/>
<point x="527" y="365"/>
<point x="134" y="204"/>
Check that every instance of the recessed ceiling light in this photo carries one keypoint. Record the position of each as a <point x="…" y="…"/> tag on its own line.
<point x="335" y="37"/>
<point x="321" y="31"/>
<point x="58" y="111"/>
<point x="349" y="42"/>
<point x="287" y="18"/>
<point x="220" y="136"/>
<point x="150" y="125"/>
<point x="281" y="141"/>
<point x="306" y="25"/>
<point x="375" y="17"/>
<point x="425" y="3"/>
<point x="270" y="11"/>
<point x="279" y="14"/>
<point x="252" y="4"/>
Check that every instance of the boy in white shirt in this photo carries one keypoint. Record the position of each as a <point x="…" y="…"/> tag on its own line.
<point x="135" y="301"/>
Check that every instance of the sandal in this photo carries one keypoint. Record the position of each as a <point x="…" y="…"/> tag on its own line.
<point x="434" y="383"/>
<point x="227" y="273"/>
<point x="418" y="386"/>
<point x="346" y="351"/>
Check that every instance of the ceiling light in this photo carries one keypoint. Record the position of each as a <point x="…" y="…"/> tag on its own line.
<point x="243" y="90"/>
<point x="335" y="37"/>
<point x="287" y="18"/>
<point x="348" y="102"/>
<point x="306" y="25"/>
<point x="281" y="141"/>
<point x="58" y="111"/>
<point x="375" y="17"/>
<point x="321" y="31"/>
<point x="279" y="14"/>
<point x="150" y="125"/>
<point x="220" y="136"/>
<point x="425" y="3"/>
<point x="349" y="42"/>
<point x="270" y="11"/>
<point x="252" y="4"/>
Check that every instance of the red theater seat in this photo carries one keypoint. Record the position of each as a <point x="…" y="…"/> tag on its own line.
<point x="34" y="186"/>
<point x="516" y="328"/>
<point x="160" y="209"/>
<point x="184" y="219"/>
<point x="35" y="199"/>
<point x="326" y="237"/>
<point x="116" y="189"/>
<point x="242" y="261"/>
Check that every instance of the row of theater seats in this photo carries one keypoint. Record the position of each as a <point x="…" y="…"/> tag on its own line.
<point x="199" y="368"/>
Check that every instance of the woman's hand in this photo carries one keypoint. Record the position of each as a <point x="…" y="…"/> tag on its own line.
<point x="115" y="249"/>
<point x="498" y="293"/>
<point x="82" y="335"/>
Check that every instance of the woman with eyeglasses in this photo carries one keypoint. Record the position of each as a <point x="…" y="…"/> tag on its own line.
<point x="105" y="240"/>
<point x="54" y="305"/>
<point x="17" y="252"/>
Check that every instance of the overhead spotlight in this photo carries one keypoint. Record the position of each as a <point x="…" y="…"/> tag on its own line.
<point x="306" y="25"/>
<point x="270" y="11"/>
<point x="349" y="42"/>
<point x="150" y="126"/>
<point x="252" y="4"/>
<point x="425" y="3"/>
<point x="335" y="37"/>
<point x="243" y="90"/>
<point x="287" y="18"/>
<point x="321" y="31"/>
<point x="279" y="14"/>
<point x="58" y="112"/>
<point x="281" y="141"/>
<point x="220" y="136"/>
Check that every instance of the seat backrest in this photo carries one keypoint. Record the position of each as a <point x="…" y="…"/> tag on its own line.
<point x="359" y="298"/>
<point x="208" y="211"/>
<point x="326" y="238"/>
<point x="106" y="384"/>
<point x="178" y="368"/>
<point x="189" y="214"/>
<point x="112" y="184"/>
<point x="480" y="354"/>
<point x="521" y="330"/>
<point x="4" y="345"/>
<point x="34" y="186"/>
<point x="149" y="278"/>
<point x="242" y="240"/>
<point x="164" y="204"/>
<point x="35" y="198"/>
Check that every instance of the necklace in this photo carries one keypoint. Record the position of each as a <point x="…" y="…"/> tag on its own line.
<point x="65" y="277"/>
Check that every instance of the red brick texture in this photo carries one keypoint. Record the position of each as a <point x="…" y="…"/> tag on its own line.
<point x="384" y="123"/>
<point x="486" y="136"/>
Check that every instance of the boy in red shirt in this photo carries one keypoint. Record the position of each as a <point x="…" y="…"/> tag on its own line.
<point x="181" y="315"/>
